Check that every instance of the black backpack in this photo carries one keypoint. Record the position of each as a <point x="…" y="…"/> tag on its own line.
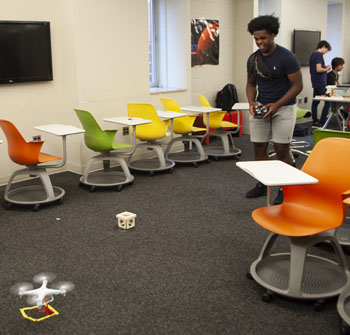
<point x="227" y="97"/>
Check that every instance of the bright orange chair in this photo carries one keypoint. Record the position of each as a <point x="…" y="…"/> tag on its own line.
<point x="306" y="215"/>
<point x="28" y="154"/>
<point x="216" y="122"/>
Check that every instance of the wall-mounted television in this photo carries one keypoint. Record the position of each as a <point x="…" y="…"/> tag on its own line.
<point x="304" y="44"/>
<point x="25" y="51"/>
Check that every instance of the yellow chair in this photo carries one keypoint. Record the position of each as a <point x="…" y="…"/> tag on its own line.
<point x="184" y="127"/>
<point x="149" y="133"/>
<point x="216" y="122"/>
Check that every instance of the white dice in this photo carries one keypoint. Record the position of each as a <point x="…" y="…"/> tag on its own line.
<point x="126" y="220"/>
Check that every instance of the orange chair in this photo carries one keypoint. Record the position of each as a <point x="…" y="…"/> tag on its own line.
<point x="305" y="217"/>
<point x="28" y="154"/>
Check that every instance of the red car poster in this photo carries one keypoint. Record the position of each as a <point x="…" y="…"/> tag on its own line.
<point x="204" y="42"/>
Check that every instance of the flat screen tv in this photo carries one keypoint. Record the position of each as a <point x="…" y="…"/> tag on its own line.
<point x="304" y="44"/>
<point x="25" y="51"/>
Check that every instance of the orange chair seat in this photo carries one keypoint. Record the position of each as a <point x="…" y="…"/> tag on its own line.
<point x="44" y="158"/>
<point x="297" y="219"/>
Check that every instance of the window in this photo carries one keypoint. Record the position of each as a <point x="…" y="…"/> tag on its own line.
<point x="169" y="49"/>
<point x="153" y="79"/>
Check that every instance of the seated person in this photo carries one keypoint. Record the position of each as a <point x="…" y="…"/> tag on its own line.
<point x="337" y="66"/>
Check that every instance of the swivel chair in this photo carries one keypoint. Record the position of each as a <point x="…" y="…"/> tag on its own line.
<point x="28" y="154"/>
<point x="149" y="133"/>
<point x="184" y="126"/>
<point x="102" y="141"/>
<point x="227" y="147"/>
<point x="304" y="218"/>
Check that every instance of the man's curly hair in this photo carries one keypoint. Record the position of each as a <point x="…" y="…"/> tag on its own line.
<point x="269" y="23"/>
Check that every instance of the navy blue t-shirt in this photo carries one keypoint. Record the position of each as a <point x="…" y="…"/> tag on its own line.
<point x="318" y="79"/>
<point x="282" y="62"/>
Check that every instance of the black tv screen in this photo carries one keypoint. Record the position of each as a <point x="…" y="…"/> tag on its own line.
<point x="304" y="44"/>
<point x="25" y="51"/>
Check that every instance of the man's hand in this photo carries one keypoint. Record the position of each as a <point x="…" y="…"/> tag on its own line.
<point x="272" y="109"/>
<point x="252" y="108"/>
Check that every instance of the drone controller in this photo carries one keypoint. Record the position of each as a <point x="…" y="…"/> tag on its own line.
<point x="260" y="112"/>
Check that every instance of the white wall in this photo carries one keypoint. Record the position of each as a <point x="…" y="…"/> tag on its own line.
<point x="208" y="79"/>
<point x="100" y="61"/>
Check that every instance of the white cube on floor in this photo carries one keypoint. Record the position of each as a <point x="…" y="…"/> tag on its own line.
<point x="126" y="220"/>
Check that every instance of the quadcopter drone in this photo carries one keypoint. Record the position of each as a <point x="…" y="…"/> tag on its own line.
<point x="42" y="296"/>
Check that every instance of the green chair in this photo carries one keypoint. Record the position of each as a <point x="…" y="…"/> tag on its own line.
<point x="102" y="141"/>
<point x="320" y="134"/>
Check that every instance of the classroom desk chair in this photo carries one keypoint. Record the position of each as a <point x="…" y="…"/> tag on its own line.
<point x="102" y="141"/>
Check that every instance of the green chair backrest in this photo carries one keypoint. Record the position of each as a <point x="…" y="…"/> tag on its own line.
<point x="320" y="134"/>
<point x="95" y="138"/>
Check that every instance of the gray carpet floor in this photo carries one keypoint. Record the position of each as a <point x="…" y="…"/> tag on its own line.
<point x="181" y="270"/>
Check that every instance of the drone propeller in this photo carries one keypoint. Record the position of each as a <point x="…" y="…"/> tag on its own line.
<point x="40" y="277"/>
<point x="64" y="286"/>
<point x="32" y="300"/>
<point x="20" y="288"/>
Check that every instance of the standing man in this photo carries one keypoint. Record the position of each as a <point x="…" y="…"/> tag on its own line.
<point x="318" y="72"/>
<point x="274" y="80"/>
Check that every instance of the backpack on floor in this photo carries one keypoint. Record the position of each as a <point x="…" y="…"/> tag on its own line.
<point x="226" y="97"/>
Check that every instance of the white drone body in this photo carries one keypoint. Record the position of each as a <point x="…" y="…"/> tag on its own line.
<point x="43" y="295"/>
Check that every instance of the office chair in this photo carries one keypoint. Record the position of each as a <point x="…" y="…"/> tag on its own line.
<point x="227" y="147"/>
<point x="304" y="218"/>
<point x="184" y="126"/>
<point x="28" y="154"/>
<point x="102" y="141"/>
<point x="149" y="133"/>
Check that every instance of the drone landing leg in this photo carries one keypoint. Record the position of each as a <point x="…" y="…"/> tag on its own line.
<point x="46" y="310"/>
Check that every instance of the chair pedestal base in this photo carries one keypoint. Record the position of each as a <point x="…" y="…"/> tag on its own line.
<point x="343" y="307"/>
<point x="34" y="194"/>
<point x="227" y="147"/>
<point x="187" y="155"/>
<point x="158" y="163"/>
<point x="298" y="274"/>
<point x="106" y="177"/>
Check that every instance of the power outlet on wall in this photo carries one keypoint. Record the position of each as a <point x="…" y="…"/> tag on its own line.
<point x="305" y="100"/>
<point x="125" y="131"/>
<point x="37" y="138"/>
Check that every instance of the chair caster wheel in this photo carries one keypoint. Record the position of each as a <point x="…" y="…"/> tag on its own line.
<point x="131" y="183"/>
<point x="119" y="188"/>
<point x="8" y="205"/>
<point x="195" y="165"/>
<point x="36" y="208"/>
<point x="216" y="158"/>
<point x="60" y="201"/>
<point x="92" y="189"/>
<point x="318" y="305"/>
<point x="249" y="276"/>
<point x="266" y="297"/>
<point x="151" y="173"/>
<point x="171" y="171"/>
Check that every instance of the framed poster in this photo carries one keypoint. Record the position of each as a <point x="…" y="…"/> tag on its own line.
<point x="204" y="42"/>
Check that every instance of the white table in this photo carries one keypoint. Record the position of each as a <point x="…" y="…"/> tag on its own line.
<point x="62" y="130"/>
<point x="131" y="122"/>
<point x="335" y="101"/>
<point x="275" y="173"/>
<point x="195" y="110"/>
<point x="240" y="106"/>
